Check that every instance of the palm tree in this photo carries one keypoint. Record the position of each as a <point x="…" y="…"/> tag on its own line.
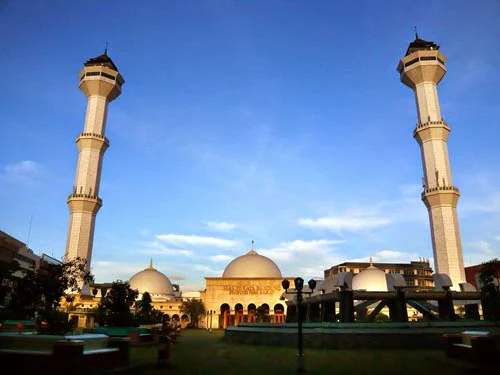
<point x="194" y="308"/>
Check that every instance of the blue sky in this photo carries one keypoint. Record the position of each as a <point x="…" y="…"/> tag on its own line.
<point x="282" y="122"/>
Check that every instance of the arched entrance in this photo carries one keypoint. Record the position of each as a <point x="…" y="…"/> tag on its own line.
<point x="279" y="313"/>
<point x="238" y="314"/>
<point x="175" y="320"/>
<point x="263" y="313"/>
<point x="252" y="316"/>
<point x="225" y="312"/>
<point x="184" y="320"/>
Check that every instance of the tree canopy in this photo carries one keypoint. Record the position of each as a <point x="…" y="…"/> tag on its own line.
<point x="42" y="290"/>
<point x="194" y="308"/>
<point x="115" y="305"/>
<point x="490" y="289"/>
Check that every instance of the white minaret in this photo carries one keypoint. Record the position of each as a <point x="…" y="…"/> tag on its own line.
<point x="101" y="82"/>
<point x="421" y="69"/>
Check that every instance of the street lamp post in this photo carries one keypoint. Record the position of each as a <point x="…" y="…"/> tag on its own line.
<point x="299" y="285"/>
<point x="210" y="314"/>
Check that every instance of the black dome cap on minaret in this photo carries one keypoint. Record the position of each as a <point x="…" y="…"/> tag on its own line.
<point x="420" y="44"/>
<point x="102" y="60"/>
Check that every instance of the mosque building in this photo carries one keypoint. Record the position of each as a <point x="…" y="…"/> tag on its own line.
<point x="166" y="297"/>
<point x="250" y="283"/>
<point x="250" y="286"/>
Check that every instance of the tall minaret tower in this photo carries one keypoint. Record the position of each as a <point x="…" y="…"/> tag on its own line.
<point x="101" y="82"/>
<point x="421" y="69"/>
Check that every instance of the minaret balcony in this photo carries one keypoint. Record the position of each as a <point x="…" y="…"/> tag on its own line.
<point x="429" y="123"/>
<point x="95" y="135"/>
<point x="441" y="196"/>
<point x="425" y="131"/>
<point x="91" y="197"/>
<point x="93" y="141"/>
<point x="100" y="71"/>
<point x="87" y="203"/>
<point x="440" y="188"/>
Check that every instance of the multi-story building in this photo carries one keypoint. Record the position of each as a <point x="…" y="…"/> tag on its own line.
<point x="12" y="249"/>
<point x="417" y="274"/>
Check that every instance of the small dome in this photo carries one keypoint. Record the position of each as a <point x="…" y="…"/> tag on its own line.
<point x="152" y="281"/>
<point x="371" y="279"/>
<point x="252" y="265"/>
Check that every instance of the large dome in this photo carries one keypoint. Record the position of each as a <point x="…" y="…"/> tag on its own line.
<point x="152" y="281"/>
<point x="371" y="279"/>
<point x="252" y="265"/>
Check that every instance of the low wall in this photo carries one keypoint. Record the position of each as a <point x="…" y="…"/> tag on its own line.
<point x="79" y="354"/>
<point x="353" y="335"/>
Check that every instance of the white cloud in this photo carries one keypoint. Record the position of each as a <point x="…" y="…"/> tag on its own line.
<point x="23" y="171"/>
<point x="387" y="256"/>
<point x="106" y="271"/>
<point x="221" y="226"/>
<point x="221" y="258"/>
<point x="482" y="246"/>
<point x="350" y="223"/>
<point x="197" y="241"/>
<point x="176" y="277"/>
<point x="287" y="251"/>
<point x="167" y="251"/>
<point x="489" y="202"/>
<point x="411" y="190"/>
<point x="157" y="248"/>
<point x="392" y="256"/>
<point x="207" y="270"/>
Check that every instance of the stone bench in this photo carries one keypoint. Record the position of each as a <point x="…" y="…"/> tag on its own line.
<point x="86" y="353"/>
<point x="476" y="346"/>
<point x="136" y="338"/>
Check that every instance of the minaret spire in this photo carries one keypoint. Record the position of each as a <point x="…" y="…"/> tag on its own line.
<point x="101" y="82"/>
<point x="106" y="49"/>
<point x="421" y="69"/>
<point x="416" y="33"/>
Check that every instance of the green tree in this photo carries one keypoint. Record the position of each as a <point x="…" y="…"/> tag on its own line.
<point x="381" y="318"/>
<point x="144" y="311"/>
<point x="490" y="290"/>
<point x="114" y="308"/>
<point x="262" y="314"/>
<point x="55" y="281"/>
<point x="194" y="308"/>
<point x="41" y="292"/>
<point x="25" y="298"/>
<point x="6" y="271"/>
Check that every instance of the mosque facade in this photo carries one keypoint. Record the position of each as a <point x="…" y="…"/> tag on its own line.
<point x="249" y="290"/>
<point x="250" y="286"/>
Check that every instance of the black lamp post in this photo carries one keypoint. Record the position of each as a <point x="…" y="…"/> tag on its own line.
<point x="299" y="285"/>
<point x="210" y="314"/>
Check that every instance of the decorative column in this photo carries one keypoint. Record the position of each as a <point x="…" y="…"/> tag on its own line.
<point x="421" y="69"/>
<point x="101" y="82"/>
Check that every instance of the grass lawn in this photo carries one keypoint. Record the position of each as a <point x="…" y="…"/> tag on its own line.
<point x="201" y="352"/>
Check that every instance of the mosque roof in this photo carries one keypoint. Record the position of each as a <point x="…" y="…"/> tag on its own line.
<point x="252" y="265"/>
<point x="420" y="44"/>
<point x="371" y="279"/>
<point x="103" y="60"/>
<point x="152" y="281"/>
